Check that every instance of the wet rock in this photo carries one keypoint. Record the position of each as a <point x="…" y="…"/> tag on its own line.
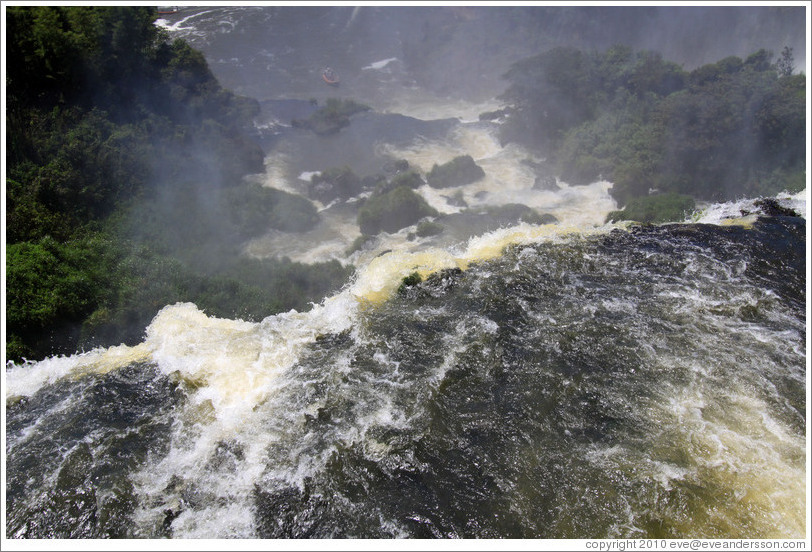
<point x="545" y="177"/>
<point x="396" y="166"/>
<point x="392" y="211"/>
<point x="457" y="200"/>
<point x="496" y="114"/>
<point x="457" y="172"/>
<point x="335" y="183"/>
<point x="546" y="183"/>
<point x="772" y="208"/>
<point x="410" y="179"/>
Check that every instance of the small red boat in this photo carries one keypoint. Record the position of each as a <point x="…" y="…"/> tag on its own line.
<point x="330" y="77"/>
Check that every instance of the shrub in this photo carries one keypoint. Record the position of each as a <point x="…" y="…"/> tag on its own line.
<point x="255" y="209"/>
<point x="457" y="172"/>
<point x="409" y="281"/>
<point x="334" y="183"/>
<point x="427" y="228"/>
<point x="392" y="211"/>
<point x="331" y="118"/>
<point x="410" y="179"/>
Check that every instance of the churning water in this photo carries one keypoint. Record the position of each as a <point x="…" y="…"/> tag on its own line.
<point x="569" y="380"/>
<point x="605" y="383"/>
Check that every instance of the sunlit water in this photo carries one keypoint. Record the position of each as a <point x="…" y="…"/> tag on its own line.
<point x="601" y="383"/>
<point x="568" y="380"/>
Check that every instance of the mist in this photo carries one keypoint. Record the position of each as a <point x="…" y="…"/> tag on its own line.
<point x="231" y="188"/>
<point x="463" y="51"/>
<point x="405" y="272"/>
<point x="435" y="80"/>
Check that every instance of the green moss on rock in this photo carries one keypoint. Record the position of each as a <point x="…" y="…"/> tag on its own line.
<point x="359" y="243"/>
<point x="427" y="228"/>
<point x="457" y="172"/>
<point x="392" y="211"/>
<point x="255" y="209"/>
<point x="410" y="179"/>
<point x="409" y="281"/>
<point x="334" y="183"/>
<point x="331" y="118"/>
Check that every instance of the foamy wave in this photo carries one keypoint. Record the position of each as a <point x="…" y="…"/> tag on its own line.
<point x="745" y="211"/>
<point x="26" y="379"/>
<point x="180" y="25"/>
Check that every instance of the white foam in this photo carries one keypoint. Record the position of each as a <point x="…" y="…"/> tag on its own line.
<point x="179" y="25"/>
<point x="732" y="211"/>
<point x="378" y="65"/>
<point x="508" y="179"/>
<point x="307" y="176"/>
<point x="26" y="379"/>
<point x="797" y="202"/>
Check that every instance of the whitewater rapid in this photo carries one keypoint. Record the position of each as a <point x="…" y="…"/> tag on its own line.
<point x="570" y="380"/>
<point x="267" y="407"/>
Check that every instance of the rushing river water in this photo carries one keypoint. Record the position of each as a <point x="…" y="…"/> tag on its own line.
<point x="569" y="380"/>
<point x="605" y="383"/>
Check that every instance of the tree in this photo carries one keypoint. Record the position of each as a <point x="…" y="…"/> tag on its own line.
<point x="735" y="129"/>
<point x="785" y="64"/>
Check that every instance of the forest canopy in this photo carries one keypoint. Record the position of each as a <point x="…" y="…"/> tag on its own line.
<point x="124" y="185"/>
<point x="724" y="130"/>
<point x="126" y="159"/>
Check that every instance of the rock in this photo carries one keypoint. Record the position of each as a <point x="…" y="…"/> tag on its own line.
<point x="392" y="211"/>
<point x="396" y="166"/>
<point x="495" y="115"/>
<point x="771" y="208"/>
<point x="456" y="200"/>
<point x="545" y="177"/>
<point x="334" y="183"/>
<point x="331" y="118"/>
<point x="457" y="172"/>
<point x="426" y="229"/>
<point x="546" y="183"/>
<point x="410" y="179"/>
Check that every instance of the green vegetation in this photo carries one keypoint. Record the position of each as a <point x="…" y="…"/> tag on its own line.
<point x="409" y="281"/>
<point x="427" y="228"/>
<point x="331" y="118"/>
<point x="359" y="243"/>
<point x="254" y="209"/>
<point x="125" y="192"/>
<point x="410" y="179"/>
<point x="393" y="210"/>
<point x="668" y="207"/>
<point x="723" y="130"/>
<point x="457" y="172"/>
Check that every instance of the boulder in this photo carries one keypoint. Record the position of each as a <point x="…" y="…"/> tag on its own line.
<point x="392" y="211"/>
<point x="335" y="183"/>
<point x="457" y="172"/>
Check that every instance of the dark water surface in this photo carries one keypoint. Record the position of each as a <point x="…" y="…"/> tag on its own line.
<point x="647" y="382"/>
<point x="571" y="380"/>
